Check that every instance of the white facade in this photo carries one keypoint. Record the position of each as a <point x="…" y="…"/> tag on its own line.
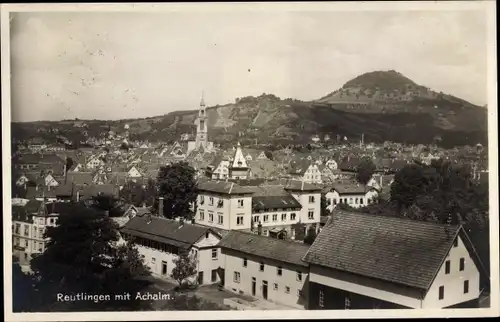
<point x="354" y="200"/>
<point x="224" y="211"/>
<point x="311" y="206"/>
<point x="312" y="174"/>
<point x="201" y="139"/>
<point x="289" y="288"/>
<point x="221" y="171"/>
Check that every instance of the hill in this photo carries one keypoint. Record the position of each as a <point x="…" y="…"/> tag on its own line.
<point x="385" y="106"/>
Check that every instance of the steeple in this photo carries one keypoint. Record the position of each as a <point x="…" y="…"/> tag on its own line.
<point x="202" y="102"/>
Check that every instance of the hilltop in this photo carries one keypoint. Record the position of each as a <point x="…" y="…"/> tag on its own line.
<point x="384" y="105"/>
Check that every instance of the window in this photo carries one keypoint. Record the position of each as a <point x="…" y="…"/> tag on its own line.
<point x="455" y="243"/>
<point x="214" y="253"/>
<point x="466" y="287"/>
<point x="462" y="264"/>
<point x="153" y="260"/>
<point x="350" y="200"/>
<point x="311" y="199"/>
<point x="310" y="214"/>
<point x="447" y="267"/>
<point x="361" y="200"/>
<point x="293" y="216"/>
<point x="245" y="263"/>
<point x="202" y="200"/>
<point x="26" y="230"/>
<point x="240" y="203"/>
<point x="283" y="217"/>
<point x="256" y="219"/>
<point x="202" y="215"/>
<point x="299" y="276"/>
<point x="210" y="217"/>
<point x="266" y="218"/>
<point x="214" y="275"/>
<point x="356" y="201"/>
<point x="220" y="219"/>
<point x="334" y="201"/>
<point x="275" y="286"/>
<point x="279" y="271"/>
<point x="347" y="303"/>
<point x="220" y="204"/>
<point x="239" y="220"/>
<point x="441" y="292"/>
<point x="211" y="201"/>
<point x="26" y="243"/>
<point x="237" y="277"/>
<point x="287" y="289"/>
<point x="40" y="233"/>
<point x="321" y="298"/>
<point x="17" y="241"/>
<point x="299" y="293"/>
<point x="261" y="267"/>
<point x="40" y="247"/>
<point x="275" y="217"/>
<point x="18" y="228"/>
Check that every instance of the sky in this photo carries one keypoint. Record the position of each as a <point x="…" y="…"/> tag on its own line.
<point x="116" y="65"/>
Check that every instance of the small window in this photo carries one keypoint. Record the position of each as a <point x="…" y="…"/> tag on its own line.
<point x="466" y="287"/>
<point x="287" y="289"/>
<point x="266" y="218"/>
<point x="447" y="267"/>
<point x="347" y="303"/>
<point x="214" y="253"/>
<point x="220" y="219"/>
<point x="275" y="217"/>
<point x="211" y="201"/>
<point x="279" y="271"/>
<point x="321" y="298"/>
<point x="462" y="264"/>
<point x="299" y="276"/>
<point x="245" y="263"/>
<point x="441" y="292"/>
<point x="240" y="203"/>
<point x="207" y="234"/>
<point x="275" y="286"/>
<point x="311" y="199"/>
<point x="293" y="216"/>
<point x="210" y="217"/>
<point x="310" y="214"/>
<point x="261" y="267"/>
<point x="239" y="220"/>
<point x="237" y="277"/>
<point x="202" y="216"/>
<point x="283" y="217"/>
<point x="256" y="219"/>
<point x="153" y="260"/>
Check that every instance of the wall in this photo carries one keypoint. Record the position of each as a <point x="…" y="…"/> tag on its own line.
<point x="454" y="281"/>
<point x="303" y="198"/>
<point x="205" y="261"/>
<point x="312" y="174"/>
<point x="334" y="195"/>
<point x="360" y="285"/>
<point x="234" y="263"/>
<point x="229" y="211"/>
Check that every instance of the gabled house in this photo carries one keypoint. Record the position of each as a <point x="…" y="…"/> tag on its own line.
<point x="133" y="172"/>
<point x="384" y="262"/>
<point x="354" y="195"/>
<point x="262" y="156"/>
<point x="331" y="164"/>
<point x="306" y="171"/>
<point x="94" y="163"/>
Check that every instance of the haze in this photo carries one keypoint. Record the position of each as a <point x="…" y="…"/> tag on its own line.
<point x="120" y="65"/>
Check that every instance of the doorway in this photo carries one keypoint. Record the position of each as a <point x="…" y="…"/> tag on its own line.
<point x="163" y="268"/>
<point x="200" y="278"/>
<point x="264" y="290"/>
<point x="254" y="286"/>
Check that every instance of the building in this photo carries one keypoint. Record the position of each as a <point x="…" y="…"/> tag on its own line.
<point x="238" y="167"/>
<point x="305" y="170"/>
<point x="276" y="206"/>
<point x="201" y="139"/>
<point x="266" y="268"/>
<point x="361" y="261"/>
<point x="161" y="240"/>
<point x="354" y="195"/>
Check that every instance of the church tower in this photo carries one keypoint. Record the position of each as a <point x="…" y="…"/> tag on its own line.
<point x="239" y="167"/>
<point x="201" y="128"/>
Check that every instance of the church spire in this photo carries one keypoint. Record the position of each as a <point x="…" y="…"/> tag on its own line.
<point x="202" y="102"/>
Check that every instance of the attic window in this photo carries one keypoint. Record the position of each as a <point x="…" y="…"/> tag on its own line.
<point x="206" y="234"/>
<point x="455" y="242"/>
<point x="240" y="163"/>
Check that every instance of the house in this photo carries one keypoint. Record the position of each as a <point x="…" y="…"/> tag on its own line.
<point x="94" y="163"/>
<point x="361" y="261"/>
<point x="238" y="167"/>
<point x="354" y="195"/>
<point x="133" y="172"/>
<point x="219" y="169"/>
<point x="224" y="205"/>
<point x="331" y="164"/>
<point x="305" y="170"/>
<point x="262" y="156"/>
<point x="76" y="167"/>
<point x="161" y="240"/>
<point x="265" y="268"/>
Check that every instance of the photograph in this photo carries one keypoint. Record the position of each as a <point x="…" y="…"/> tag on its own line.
<point x="278" y="160"/>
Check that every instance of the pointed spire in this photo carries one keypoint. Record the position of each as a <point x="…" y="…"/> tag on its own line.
<point x="202" y="102"/>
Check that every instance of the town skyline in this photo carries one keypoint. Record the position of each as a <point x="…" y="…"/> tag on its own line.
<point x="115" y="79"/>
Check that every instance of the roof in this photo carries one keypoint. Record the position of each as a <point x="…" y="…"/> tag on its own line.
<point x="295" y="185"/>
<point x="33" y="206"/>
<point x="275" y="202"/>
<point x="392" y="249"/>
<point x="165" y="230"/>
<point x="223" y="187"/>
<point x="97" y="189"/>
<point x="266" y="247"/>
<point x="347" y="188"/>
<point x="79" y="178"/>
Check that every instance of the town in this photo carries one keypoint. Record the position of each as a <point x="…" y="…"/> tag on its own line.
<point x="339" y="223"/>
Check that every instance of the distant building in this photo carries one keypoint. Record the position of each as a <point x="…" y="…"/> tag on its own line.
<point x="201" y="140"/>
<point x="354" y="195"/>
<point x="238" y="167"/>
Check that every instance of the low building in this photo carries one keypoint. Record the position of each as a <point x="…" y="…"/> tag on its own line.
<point x="361" y="261"/>
<point x="161" y="240"/>
<point x="266" y="268"/>
<point x="354" y="195"/>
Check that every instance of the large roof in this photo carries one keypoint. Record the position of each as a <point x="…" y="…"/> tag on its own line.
<point x="223" y="187"/>
<point x="396" y="250"/>
<point x="266" y="247"/>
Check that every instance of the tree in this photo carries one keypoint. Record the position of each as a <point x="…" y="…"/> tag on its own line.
<point x="311" y="236"/>
<point x="177" y="185"/>
<point x="84" y="255"/>
<point x="133" y="193"/>
<point x="269" y="155"/>
<point x="22" y="288"/>
<point x="324" y="206"/>
<point x="185" y="267"/>
<point x="365" y="170"/>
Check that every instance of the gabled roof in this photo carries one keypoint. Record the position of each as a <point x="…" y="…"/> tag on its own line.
<point x="275" y="202"/>
<point x="165" y="230"/>
<point x="295" y="185"/>
<point x="266" y="247"/>
<point x="396" y="250"/>
<point x="347" y="188"/>
<point x="79" y="178"/>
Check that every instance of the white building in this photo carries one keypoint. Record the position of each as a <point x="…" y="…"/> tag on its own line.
<point x="161" y="240"/>
<point x="364" y="261"/>
<point x="354" y="195"/>
<point x="201" y="140"/>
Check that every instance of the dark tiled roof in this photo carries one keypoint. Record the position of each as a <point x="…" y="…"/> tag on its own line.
<point x="99" y="189"/>
<point x="295" y="185"/>
<point x="223" y="187"/>
<point x="396" y="250"/>
<point x="39" y="158"/>
<point x="33" y="206"/>
<point x="19" y="213"/>
<point x="165" y="230"/>
<point x="275" y="202"/>
<point x="347" y="188"/>
<point x="266" y="247"/>
<point x="79" y="178"/>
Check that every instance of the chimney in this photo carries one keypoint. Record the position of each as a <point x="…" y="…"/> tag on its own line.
<point x="78" y="196"/>
<point x="160" y="206"/>
<point x="259" y="228"/>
